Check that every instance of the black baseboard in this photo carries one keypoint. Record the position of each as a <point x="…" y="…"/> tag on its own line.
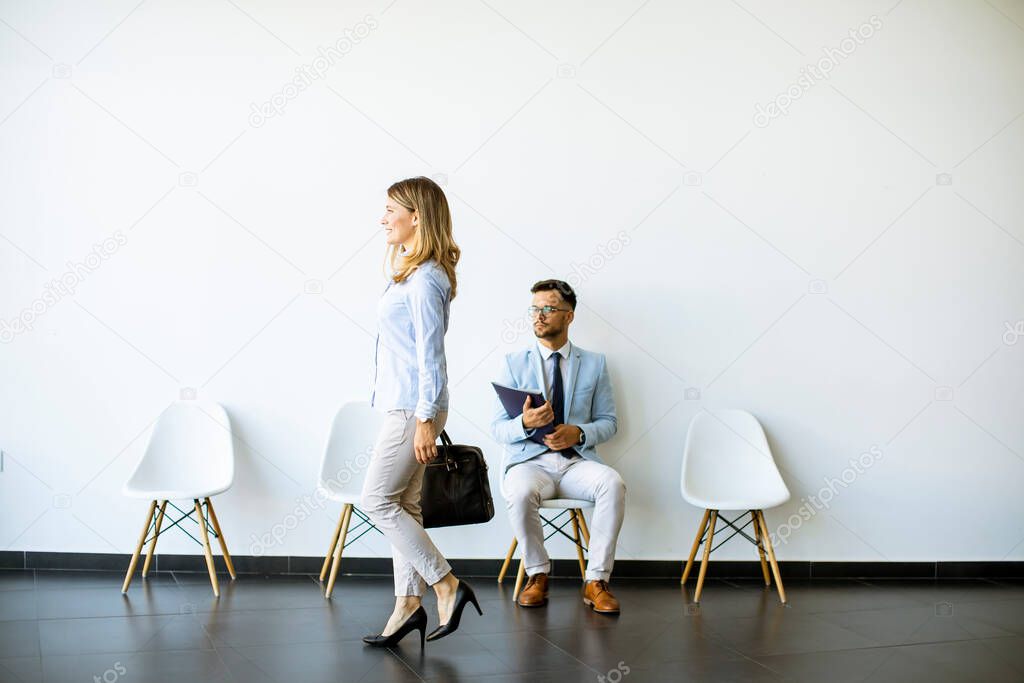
<point x="647" y="569"/>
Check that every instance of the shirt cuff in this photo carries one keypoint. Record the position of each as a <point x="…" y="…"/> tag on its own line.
<point x="425" y="411"/>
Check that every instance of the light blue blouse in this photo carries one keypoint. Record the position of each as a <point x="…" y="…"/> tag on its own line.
<point x="409" y="367"/>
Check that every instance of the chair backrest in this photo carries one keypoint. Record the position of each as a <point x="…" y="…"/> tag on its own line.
<point x="349" y="448"/>
<point x="727" y="463"/>
<point x="190" y="451"/>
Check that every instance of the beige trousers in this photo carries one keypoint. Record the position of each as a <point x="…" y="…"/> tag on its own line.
<point x="391" y="498"/>
<point x="552" y="475"/>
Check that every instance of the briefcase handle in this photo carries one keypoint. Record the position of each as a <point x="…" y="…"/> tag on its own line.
<point x="446" y="443"/>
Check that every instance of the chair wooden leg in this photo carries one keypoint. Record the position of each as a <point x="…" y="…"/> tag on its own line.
<point x="339" y="548"/>
<point x="508" y="559"/>
<point x="696" y="544"/>
<point x="585" y="529"/>
<point x="152" y="544"/>
<point x="334" y="542"/>
<point x="760" y="546"/>
<point x="771" y="557"/>
<point x="206" y="547"/>
<point x="520" y="575"/>
<point x="138" y="548"/>
<point x="220" y="538"/>
<point x="707" y="554"/>
<point x="579" y="542"/>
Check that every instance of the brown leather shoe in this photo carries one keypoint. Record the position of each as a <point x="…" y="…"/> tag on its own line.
<point x="599" y="598"/>
<point x="535" y="592"/>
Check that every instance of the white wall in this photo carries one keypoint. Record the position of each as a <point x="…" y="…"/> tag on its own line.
<point x="814" y="268"/>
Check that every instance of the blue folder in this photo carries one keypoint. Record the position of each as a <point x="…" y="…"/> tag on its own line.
<point x="512" y="399"/>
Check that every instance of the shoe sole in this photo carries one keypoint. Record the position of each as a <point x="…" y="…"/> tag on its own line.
<point x="538" y="604"/>
<point x="590" y="604"/>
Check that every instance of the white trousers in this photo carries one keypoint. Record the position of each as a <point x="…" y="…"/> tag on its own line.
<point x="391" y="499"/>
<point x="552" y="475"/>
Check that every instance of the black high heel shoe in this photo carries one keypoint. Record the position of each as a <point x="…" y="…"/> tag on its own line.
<point x="463" y="595"/>
<point x="417" y="621"/>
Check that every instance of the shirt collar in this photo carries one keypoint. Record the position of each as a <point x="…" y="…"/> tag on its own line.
<point x="545" y="352"/>
<point x="391" y="273"/>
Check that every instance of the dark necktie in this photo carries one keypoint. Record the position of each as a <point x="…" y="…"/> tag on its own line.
<point x="558" y="400"/>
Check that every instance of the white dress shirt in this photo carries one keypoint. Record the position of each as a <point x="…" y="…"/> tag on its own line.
<point x="549" y="366"/>
<point x="549" y="372"/>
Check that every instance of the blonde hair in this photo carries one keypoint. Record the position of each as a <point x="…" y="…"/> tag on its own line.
<point x="434" y="240"/>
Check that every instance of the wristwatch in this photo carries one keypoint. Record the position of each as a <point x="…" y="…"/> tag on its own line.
<point x="583" y="437"/>
<point x="425" y="419"/>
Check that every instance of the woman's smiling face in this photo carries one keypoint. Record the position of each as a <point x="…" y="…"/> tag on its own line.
<point x="399" y="223"/>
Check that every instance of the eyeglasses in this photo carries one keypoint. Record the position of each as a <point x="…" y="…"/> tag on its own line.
<point x="535" y="311"/>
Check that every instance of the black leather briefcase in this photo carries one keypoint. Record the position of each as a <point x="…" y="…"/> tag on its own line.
<point x="455" y="487"/>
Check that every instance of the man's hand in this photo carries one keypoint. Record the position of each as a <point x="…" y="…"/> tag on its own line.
<point x="425" y="442"/>
<point x="564" y="436"/>
<point x="537" y="417"/>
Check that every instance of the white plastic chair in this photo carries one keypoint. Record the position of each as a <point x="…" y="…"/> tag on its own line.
<point x="342" y="470"/>
<point x="572" y="507"/>
<point x="190" y="455"/>
<point x="727" y="465"/>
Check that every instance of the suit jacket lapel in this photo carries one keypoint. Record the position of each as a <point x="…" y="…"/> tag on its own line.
<point x="571" y="372"/>
<point x="537" y="363"/>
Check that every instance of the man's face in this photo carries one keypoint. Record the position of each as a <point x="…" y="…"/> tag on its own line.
<point x="551" y="325"/>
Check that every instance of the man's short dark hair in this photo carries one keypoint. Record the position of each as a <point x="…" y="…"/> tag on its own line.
<point x="559" y="286"/>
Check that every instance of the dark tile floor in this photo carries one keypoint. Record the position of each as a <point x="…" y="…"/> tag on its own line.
<point x="58" y="626"/>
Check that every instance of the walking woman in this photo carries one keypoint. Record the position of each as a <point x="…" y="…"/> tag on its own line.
<point x="410" y="386"/>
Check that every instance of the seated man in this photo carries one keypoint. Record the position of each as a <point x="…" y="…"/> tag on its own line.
<point x="580" y="404"/>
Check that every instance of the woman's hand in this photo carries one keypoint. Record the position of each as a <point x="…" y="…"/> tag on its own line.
<point x="425" y="441"/>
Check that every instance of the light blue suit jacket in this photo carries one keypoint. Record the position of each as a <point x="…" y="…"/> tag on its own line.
<point x="588" y="400"/>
